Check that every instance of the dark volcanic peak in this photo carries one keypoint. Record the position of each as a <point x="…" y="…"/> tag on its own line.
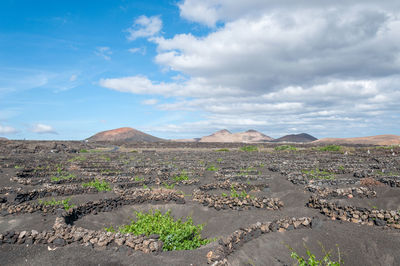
<point x="124" y="134"/>
<point x="302" y="137"/>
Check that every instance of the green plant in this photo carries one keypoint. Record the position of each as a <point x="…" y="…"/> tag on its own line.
<point x="312" y="259"/>
<point x="249" y="148"/>
<point x="99" y="185"/>
<point x="83" y="151"/>
<point x="222" y="150"/>
<point x="62" y="176"/>
<point x="242" y="195"/>
<point x="219" y="160"/>
<point x="106" y="158"/>
<point x="17" y="167"/>
<point x="176" y="235"/>
<point x="145" y="186"/>
<point x="183" y="176"/>
<point x="224" y="194"/>
<point x="77" y="158"/>
<point x="318" y="174"/>
<point x="169" y="186"/>
<point x="247" y="171"/>
<point x="139" y="179"/>
<point x="65" y="203"/>
<point x="330" y="148"/>
<point x="285" y="147"/>
<point x="212" y="168"/>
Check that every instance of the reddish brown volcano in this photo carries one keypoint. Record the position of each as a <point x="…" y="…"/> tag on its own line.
<point x="124" y="134"/>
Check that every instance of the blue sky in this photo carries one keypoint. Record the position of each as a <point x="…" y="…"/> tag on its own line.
<point x="180" y="69"/>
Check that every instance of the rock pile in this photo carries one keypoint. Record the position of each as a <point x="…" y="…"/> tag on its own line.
<point x="63" y="234"/>
<point x="390" y="218"/>
<point x="229" y="244"/>
<point x="325" y="192"/>
<point x="236" y="203"/>
<point x="228" y="185"/>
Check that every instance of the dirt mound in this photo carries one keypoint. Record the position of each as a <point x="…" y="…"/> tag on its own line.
<point x="124" y="134"/>
<point x="250" y="136"/>
<point x="302" y="137"/>
<point x="372" y="140"/>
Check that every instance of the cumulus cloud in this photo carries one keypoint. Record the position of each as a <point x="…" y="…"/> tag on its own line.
<point x="43" y="129"/>
<point x="4" y="130"/>
<point x="276" y="64"/>
<point x="144" y="27"/>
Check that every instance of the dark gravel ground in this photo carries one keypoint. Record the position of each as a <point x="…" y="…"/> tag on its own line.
<point x="157" y="164"/>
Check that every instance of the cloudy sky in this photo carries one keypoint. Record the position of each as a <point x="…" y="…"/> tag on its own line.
<point x="186" y="68"/>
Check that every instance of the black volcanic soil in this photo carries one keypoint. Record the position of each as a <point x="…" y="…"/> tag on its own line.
<point x="29" y="166"/>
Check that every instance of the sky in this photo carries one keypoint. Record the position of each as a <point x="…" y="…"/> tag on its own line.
<point x="187" y="68"/>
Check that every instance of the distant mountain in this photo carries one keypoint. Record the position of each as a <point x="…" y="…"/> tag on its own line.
<point x="303" y="137"/>
<point x="372" y="140"/>
<point x="3" y="138"/>
<point x="124" y="134"/>
<point x="250" y="136"/>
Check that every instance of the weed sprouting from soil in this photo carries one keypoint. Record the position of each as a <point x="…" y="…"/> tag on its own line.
<point x="318" y="174"/>
<point x="99" y="185"/>
<point x="249" y="148"/>
<point x="285" y="148"/>
<point x="65" y="203"/>
<point x="176" y="235"/>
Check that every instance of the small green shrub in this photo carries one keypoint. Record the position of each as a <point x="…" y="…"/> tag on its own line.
<point x="176" y="235"/>
<point x="249" y="148"/>
<point x="330" y="148"/>
<point x="212" y="168"/>
<point x="62" y="176"/>
<point x="242" y="195"/>
<point x="99" y="185"/>
<point x="65" y="203"/>
<point x="318" y="174"/>
<point x="222" y="150"/>
<point x="17" y="167"/>
<point x="83" y="151"/>
<point x="183" y="176"/>
<point x="285" y="148"/>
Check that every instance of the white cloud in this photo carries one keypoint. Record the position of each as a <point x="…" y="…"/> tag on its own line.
<point x="144" y="27"/>
<point x="104" y="52"/>
<point x="141" y="50"/>
<point x="150" y="102"/>
<point x="4" y="130"/>
<point x="282" y="64"/>
<point x="43" y="129"/>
